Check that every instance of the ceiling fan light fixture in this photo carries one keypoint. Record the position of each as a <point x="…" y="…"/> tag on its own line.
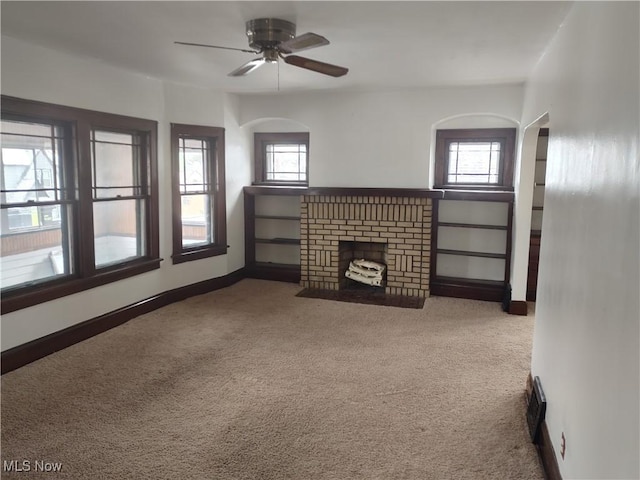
<point x="264" y="33"/>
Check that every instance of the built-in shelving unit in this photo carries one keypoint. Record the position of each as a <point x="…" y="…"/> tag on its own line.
<point x="537" y="212"/>
<point x="272" y="232"/>
<point x="471" y="245"/>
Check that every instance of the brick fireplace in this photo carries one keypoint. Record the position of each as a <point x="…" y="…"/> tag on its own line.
<point x="390" y="229"/>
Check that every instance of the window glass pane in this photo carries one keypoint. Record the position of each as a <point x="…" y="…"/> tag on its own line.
<point x="196" y="220"/>
<point x="35" y="232"/>
<point x="25" y="128"/>
<point x="114" y="164"/>
<point x="118" y="232"/>
<point x="34" y="255"/>
<point x="113" y="137"/>
<point x="473" y="162"/>
<point x="286" y="162"/>
<point x="192" y="157"/>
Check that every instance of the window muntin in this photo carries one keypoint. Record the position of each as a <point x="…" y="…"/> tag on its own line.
<point x="282" y="158"/>
<point x="474" y="159"/>
<point x="199" y="194"/>
<point x="36" y="210"/>
<point x="82" y="193"/>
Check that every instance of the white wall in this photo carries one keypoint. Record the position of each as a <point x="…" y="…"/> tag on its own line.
<point x="380" y="139"/>
<point x="64" y="79"/>
<point x="587" y="331"/>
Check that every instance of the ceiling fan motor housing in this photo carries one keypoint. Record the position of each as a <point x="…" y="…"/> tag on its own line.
<point x="268" y="33"/>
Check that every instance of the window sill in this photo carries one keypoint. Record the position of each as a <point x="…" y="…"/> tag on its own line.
<point x="45" y="292"/>
<point x="281" y="184"/>
<point x="199" y="253"/>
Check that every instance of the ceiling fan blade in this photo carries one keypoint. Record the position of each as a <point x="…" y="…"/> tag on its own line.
<point x="303" y="42"/>
<point x="216" y="46"/>
<point x="316" y="66"/>
<point x="248" y="67"/>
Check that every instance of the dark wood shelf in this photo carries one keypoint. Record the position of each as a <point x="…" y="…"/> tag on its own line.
<point x="279" y="241"/>
<point x="284" y="266"/>
<point x="488" y="290"/>
<point x="537" y="208"/>
<point x="466" y="253"/>
<point x="277" y="217"/>
<point x="472" y="225"/>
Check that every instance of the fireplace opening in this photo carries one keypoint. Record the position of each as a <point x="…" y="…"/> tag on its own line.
<point x="368" y="262"/>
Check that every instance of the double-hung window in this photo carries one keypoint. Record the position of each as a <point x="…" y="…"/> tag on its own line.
<point x="79" y="200"/>
<point x="282" y="158"/>
<point x="199" y="220"/>
<point x="475" y="159"/>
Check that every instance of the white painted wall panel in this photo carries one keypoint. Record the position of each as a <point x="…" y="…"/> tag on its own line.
<point x="587" y="334"/>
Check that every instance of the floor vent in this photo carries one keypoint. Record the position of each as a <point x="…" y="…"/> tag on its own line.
<point x="536" y="409"/>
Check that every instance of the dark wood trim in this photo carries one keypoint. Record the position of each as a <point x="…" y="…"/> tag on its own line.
<point x="344" y="191"/>
<point x="545" y="449"/>
<point x="214" y="137"/>
<point x="547" y="454"/>
<point x="433" y="258"/>
<point x="376" y="192"/>
<point x="249" y="228"/>
<point x="279" y="241"/>
<point x="450" y="194"/>
<point x="479" y="196"/>
<point x="78" y="124"/>
<point x="466" y="253"/>
<point x="29" y="352"/>
<point x="275" y="190"/>
<point x="64" y="287"/>
<point x="473" y="225"/>
<point x="518" y="307"/>
<point x="506" y="137"/>
<point x="278" y="217"/>
<point x="508" y="247"/>
<point x="262" y="139"/>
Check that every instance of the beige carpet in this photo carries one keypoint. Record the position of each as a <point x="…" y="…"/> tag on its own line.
<point x="251" y="382"/>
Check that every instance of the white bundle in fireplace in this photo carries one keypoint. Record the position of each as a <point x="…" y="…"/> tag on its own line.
<point x="366" y="271"/>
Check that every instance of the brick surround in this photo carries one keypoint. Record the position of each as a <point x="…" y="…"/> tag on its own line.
<point x="403" y="223"/>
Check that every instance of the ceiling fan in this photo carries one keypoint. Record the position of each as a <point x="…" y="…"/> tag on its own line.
<point x="273" y="38"/>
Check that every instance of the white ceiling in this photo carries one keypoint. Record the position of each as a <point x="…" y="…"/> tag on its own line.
<point x="384" y="44"/>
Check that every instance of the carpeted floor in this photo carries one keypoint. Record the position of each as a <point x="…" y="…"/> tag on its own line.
<point x="252" y="382"/>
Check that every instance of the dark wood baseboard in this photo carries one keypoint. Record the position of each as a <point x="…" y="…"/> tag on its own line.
<point x="518" y="307"/>
<point x="547" y="454"/>
<point x="30" y="352"/>
<point x="475" y="292"/>
<point x="544" y="446"/>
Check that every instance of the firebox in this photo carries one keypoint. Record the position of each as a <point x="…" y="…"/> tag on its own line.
<point x="350" y="251"/>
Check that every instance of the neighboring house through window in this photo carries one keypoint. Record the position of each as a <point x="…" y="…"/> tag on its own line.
<point x="282" y="158"/>
<point x="475" y="159"/>
<point x="199" y="220"/>
<point x="79" y="200"/>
